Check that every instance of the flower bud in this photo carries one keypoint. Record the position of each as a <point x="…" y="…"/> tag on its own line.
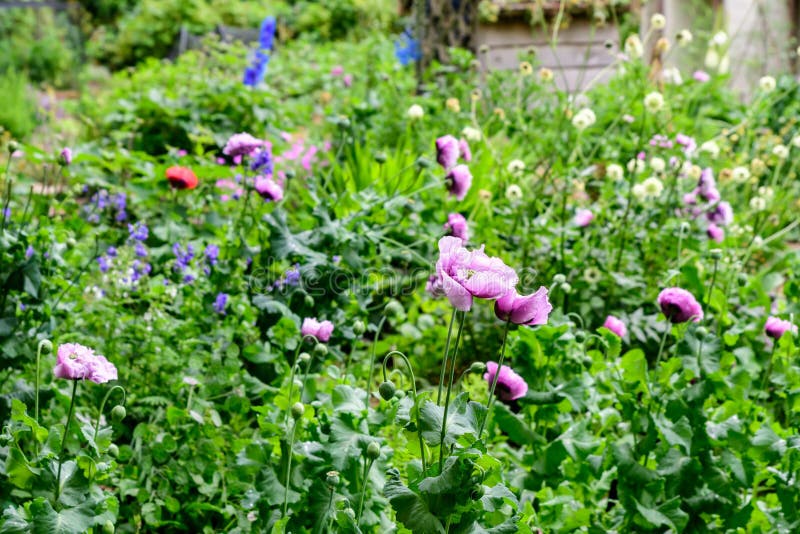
<point x="45" y="347"/>
<point x="309" y="301"/>
<point x="320" y="350"/>
<point x="118" y="413"/>
<point x="113" y="450"/>
<point x="332" y="479"/>
<point x="399" y="394"/>
<point x="702" y="332"/>
<point x="477" y="368"/>
<point x="715" y="253"/>
<point x="359" y="327"/>
<point x="373" y="450"/>
<point x="297" y="410"/>
<point x="290" y="174"/>
<point x="12" y="146"/>
<point x="477" y="492"/>
<point x="108" y="527"/>
<point x="394" y="309"/>
<point x="424" y="163"/>
<point x="350" y="513"/>
<point x="380" y="157"/>
<point x="559" y="279"/>
<point x="566" y="288"/>
<point x="580" y="336"/>
<point x="386" y="389"/>
<point x="304" y="357"/>
<point x="742" y="279"/>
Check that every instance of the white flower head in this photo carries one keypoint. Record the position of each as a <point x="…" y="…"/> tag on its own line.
<point x="672" y="75"/>
<point x="740" y="174"/>
<point x="684" y="37"/>
<point x="584" y="118"/>
<point x="615" y="172"/>
<point x="636" y="165"/>
<point x="415" y="112"/>
<point x="766" y="191"/>
<point x="767" y="84"/>
<point x="516" y="166"/>
<point x="513" y="193"/>
<point x="658" y="164"/>
<point x="634" y="47"/>
<point x="724" y="64"/>
<point x="719" y="39"/>
<point x="780" y="151"/>
<point x="711" y="148"/>
<point x="712" y="59"/>
<point x="653" y="187"/>
<point x="796" y="141"/>
<point x="658" y="21"/>
<point x="472" y="134"/>
<point x="654" y="102"/>
<point x="639" y="192"/>
<point x="758" y="203"/>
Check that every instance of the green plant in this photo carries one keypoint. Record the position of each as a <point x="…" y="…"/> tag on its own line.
<point x="19" y="116"/>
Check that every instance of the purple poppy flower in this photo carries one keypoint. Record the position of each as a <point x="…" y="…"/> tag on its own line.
<point x="529" y="310"/>
<point x="66" y="156"/>
<point x="510" y="386"/>
<point x="775" y="328"/>
<point x="457" y="226"/>
<point x="583" y="218"/>
<point x="320" y="330"/>
<point x="220" y="302"/>
<point x="707" y="186"/>
<point x="722" y="214"/>
<point x="679" y="306"/>
<point x="464" y="274"/>
<point x="616" y="325"/>
<point x="464" y="151"/>
<point x="459" y="181"/>
<point x="76" y="362"/>
<point x="242" y="144"/>
<point x="268" y="188"/>
<point x="447" y="151"/>
<point x="715" y="233"/>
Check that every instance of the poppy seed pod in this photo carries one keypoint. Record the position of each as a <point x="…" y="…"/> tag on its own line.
<point x="373" y="450"/>
<point x="332" y="479"/>
<point x="477" y="367"/>
<point x="359" y="327"/>
<point x="46" y="346"/>
<point x="297" y="410"/>
<point x="387" y="390"/>
<point x="304" y="357"/>
<point x="118" y="413"/>
<point x="320" y="350"/>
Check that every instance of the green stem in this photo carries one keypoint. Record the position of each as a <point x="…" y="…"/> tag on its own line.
<point x="490" y="402"/>
<point x="449" y="387"/>
<point x="64" y="439"/>
<point x="291" y="377"/>
<point x="36" y="382"/>
<point x="446" y="354"/>
<point x="367" y="467"/>
<point x="414" y="389"/>
<point x="103" y="405"/>
<point x="372" y="358"/>
<point x="769" y="368"/>
<point x="289" y="470"/>
<point x="330" y="512"/>
<point x="713" y="281"/>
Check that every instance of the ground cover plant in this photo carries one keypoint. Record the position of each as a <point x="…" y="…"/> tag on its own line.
<point x="279" y="289"/>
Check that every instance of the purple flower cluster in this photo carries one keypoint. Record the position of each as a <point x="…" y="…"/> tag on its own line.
<point x="102" y="201"/>
<point x="138" y="231"/>
<point x="705" y="199"/>
<point x="183" y="259"/>
<point x="458" y="178"/>
<point x="220" y="302"/>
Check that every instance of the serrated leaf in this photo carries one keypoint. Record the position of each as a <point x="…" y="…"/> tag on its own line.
<point x="409" y="507"/>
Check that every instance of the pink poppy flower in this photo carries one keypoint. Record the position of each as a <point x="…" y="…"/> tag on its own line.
<point x="464" y="151"/>
<point x="715" y="233"/>
<point x="320" y="330"/>
<point x="76" y="362"/>
<point x="529" y="310"/>
<point x="583" y="218"/>
<point x="775" y="328"/>
<point x="510" y="386"/>
<point x="459" y="180"/>
<point x="447" y="151"/>
<point x="268" y="189"/>
<point x="616" y="325"/>
<point x="679" y="306"/>
<point x="457" y="226"/>
<point x="241" y="144"/>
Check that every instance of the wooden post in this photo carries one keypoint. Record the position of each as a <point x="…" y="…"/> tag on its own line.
<point x="446" y="24"/>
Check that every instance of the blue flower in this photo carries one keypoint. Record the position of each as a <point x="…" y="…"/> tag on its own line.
<point x="138" y="231"/>
<point x="406" y="48"/>
<point x="29" y="252"/>
<point x="266" y="35"/>
<point x="212" y="254"/>
<point x="255" y="73"/>
<point x="140" y="250"/>
<point x="105" y="264"/>
<point x="262" y="161"/>
<point x="220" y="302"/>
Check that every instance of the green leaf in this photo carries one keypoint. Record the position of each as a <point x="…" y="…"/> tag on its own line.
<point x="513" y="425"/>
<point x="409" y="507"/>
<point x="345" y="399"/>
<point x="19" y="413"/>
<point x="76" y="520"/>
<point x="611" y="341"/>
<point x="677" y="433"/>
<point x="634" y="368"/>
<point x="18" y="471"/>
<point x="463" y="417"/>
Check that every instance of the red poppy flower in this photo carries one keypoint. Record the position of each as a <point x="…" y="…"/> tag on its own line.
<point x="181" y="177"/>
